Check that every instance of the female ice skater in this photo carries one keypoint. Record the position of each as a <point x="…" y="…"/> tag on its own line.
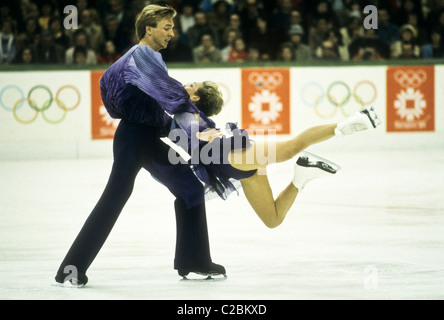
<point x="243" y="160"/>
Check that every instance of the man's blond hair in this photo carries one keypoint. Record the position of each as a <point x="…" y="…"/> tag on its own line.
<point x="150" y="16"/>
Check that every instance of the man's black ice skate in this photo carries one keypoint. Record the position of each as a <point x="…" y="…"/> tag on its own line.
<point x="79" y="281"/>
<point x="203" y="272"/>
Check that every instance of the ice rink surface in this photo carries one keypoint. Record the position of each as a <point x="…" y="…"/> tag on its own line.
<point x="374" y="231"/>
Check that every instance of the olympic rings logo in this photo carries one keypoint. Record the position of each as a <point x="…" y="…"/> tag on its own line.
<point x="410" y="78"/>
<point x="226" y="93"/>
<point x="39" y="93"/>
<point x="338" y="95"/>
<point x="265" y="80"/>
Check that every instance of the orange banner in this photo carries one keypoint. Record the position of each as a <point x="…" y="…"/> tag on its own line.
<point x="266" y="100"/>
<point x="410" y="99"/>
<point x="102" y="125"/>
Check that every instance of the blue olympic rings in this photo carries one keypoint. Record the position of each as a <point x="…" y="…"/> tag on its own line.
<point x="336" y="101"/>
<point x="22" y="99"/>
<point x="33" y="105"/>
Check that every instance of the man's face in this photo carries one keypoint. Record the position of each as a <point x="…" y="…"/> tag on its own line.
<point x="116" y="6"/>
<point x="81" y="40"/>
<point x="200" y="18"/>
<point x="383" y="17"/>
<point x="86" y="18"/>
<point x="207" y="41"/>
<point x="112" y="25"/>
<point x="162" y="34"/>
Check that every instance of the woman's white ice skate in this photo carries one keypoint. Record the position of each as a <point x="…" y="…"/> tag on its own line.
<point x="363" y="120"/>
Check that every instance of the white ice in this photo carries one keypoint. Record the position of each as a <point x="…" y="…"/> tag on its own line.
<point x="374" y="231"/>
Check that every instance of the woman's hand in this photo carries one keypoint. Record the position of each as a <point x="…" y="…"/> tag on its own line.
<point x="209" y="135"/>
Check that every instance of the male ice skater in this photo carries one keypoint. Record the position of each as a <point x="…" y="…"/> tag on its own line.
<point x="138" y="90"/>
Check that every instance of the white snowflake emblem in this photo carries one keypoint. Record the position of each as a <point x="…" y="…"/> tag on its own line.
<point x="107" y="118"/>
<point x="265" y="107"/>
<point x="410" y="104"/>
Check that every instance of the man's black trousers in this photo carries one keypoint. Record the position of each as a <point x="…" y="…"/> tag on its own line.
<point x="138" y="146"/>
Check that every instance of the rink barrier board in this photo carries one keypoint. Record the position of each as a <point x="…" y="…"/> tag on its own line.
<point x="59" y="114"/>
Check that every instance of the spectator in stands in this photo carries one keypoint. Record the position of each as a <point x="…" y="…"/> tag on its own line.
<point x="249" y="15"/>
<point x="177" y="50"/>
<point x="80" y="55"/>
<point x="82" y="5"/>
<point x="408" y="7"/>
<point x="317" y="33"/>
<point x="206" y="58"/>
<point x="341" y="11"/>
<point x="186" y="16"/>
<point x="121" y="39"/>
<point x="440" y="25"/>
<point x="200" y="27"/>
<point x="238" y="52"/>
<point x="98" y="11"/>
<point x="280" y="19"/>
<point x="7" y="13"/>
<point x="235" y="22"/>
<point x="108" y="53"/>
<point x="434" y="48"/>
<point x="388" y="32"/>
<point x="253" y="54"/>
<point x="407" y="36"/>
<point x="369" y="47"/>
<point x="433" y="19"/>
<point x="286" y="52"/>
<point x="220" y="16"/>
<point x="352" y="29"/>
<point x="335" y="36"/>
<point x="123" y="16"/>
<point x="421" y="32"/>
<point x="206" y="51"/>
<point x="302" y="51"/>
<point x="265" y="38"/>
<point x="230" y="34"/>
<point x="367" y="54"/>
<point x="93" y="31"/>
<point x="30" y="36"/>
<point x="58" y="31"/>
<point x="296" y="20"/>
<point x="26" y="56"/>
<point x="80" y="39"/>
<point x="28" y="9"/>
<point x="329" y="51"/>
<point x="47" y="52"/>
<point x="323" y="9"/>
<point x="7" y="42"/>
<point x="408" y="51"/>
<point x="47" y="12"/>
<point x="255" y="19"/>
<point x="210" y="5"/>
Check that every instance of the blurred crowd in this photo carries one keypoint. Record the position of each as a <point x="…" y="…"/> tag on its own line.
<point x="33" y="31"/>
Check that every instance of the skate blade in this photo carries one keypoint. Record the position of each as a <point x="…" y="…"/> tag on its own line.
<point x="204" y="278"/>
<point x="372" y="116"/>
<point x="307" y="159"/>
<point x="67" y="284"/>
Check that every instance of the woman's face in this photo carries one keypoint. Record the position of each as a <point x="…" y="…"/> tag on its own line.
<point x="191" y="88"/>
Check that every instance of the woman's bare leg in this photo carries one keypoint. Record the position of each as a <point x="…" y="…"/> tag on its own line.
<point x="262" y="154"/>
<point x="257" y="188"/>
<point x="260" y="196"/>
